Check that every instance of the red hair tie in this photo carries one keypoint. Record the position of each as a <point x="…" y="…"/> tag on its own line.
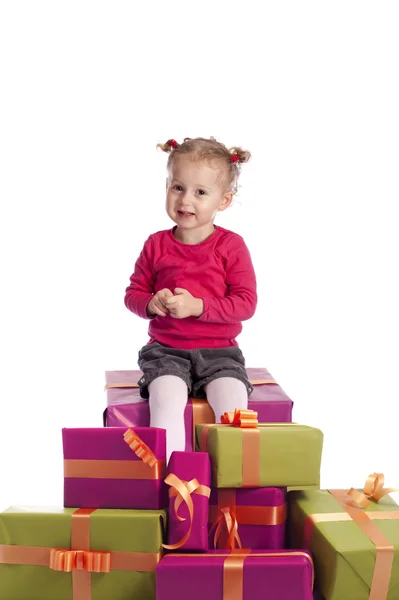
<point x="235" y="158"/>
<point x="173" y="143"/>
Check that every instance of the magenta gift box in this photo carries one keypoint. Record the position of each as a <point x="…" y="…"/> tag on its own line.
<point x="126" y="408"/>
<point x="260" y="513"/>
<point x="101" y="470"/>
<point x="187" y="466"/>
<point x="216" y="575"/>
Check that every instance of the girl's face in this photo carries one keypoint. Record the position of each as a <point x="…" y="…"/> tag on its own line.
<point x="195" y="191"/>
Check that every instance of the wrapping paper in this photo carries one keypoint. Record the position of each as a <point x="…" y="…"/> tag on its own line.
<point x="101" y="470"/>
<point x="271" y="455"/>
<point x="217" y="575"/>
<point x="127" y="409"/>
<point x="28" y="534"/>
<point x="348" y="564"/>
<point x="260" y="515"/>
<point x="189" y="467"/>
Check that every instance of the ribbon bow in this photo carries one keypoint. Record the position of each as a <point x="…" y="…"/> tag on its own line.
<point x="80" y="560"/>
<point x="373" y="490"/>
<point x="243" y="418"/>
<point x="139" y="447"/>
<point x="183" y="491"/>
<point x="228" y="519"/>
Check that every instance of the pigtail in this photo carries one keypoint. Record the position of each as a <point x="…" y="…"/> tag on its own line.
<point x="239" y="155"/>
<point x="168" y="146"/>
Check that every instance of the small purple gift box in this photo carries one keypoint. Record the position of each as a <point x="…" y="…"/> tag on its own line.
<point x="114" y="467"/>
<point x="189" y="477"/>
<point x="244" y="575"/>
<point x="247" y="518"/>
<point x="127" y="409"/>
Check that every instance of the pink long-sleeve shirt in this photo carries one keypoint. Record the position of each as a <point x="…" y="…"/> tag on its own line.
<point x="218" y="270"/>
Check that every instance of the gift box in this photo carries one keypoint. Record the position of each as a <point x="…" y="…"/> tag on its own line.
<point x="115" y="467"/>
<point x="71" y="554"/>
<point x="247" y="518"/>
<point x="189" y="478"/>
<point x="355" y="550"/>
<point x="267" y="455"/>
<point x="219" y="575"/>
<point x="127" y="409"/>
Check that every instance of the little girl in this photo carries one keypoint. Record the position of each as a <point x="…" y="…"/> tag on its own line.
<point x="196" y="284"/>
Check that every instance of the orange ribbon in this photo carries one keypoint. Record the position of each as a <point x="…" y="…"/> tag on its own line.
<point x="202" y="414"/>
<point x="243" y="418"/>
<point x="254" y="515"/>
<point x="80" y="561"/>
<point x="373" y="490"/>
<point x="183" y="490"/>
<point x="139" y="447"/>
<point x="130" y="384"/>
<point x="112" y="469"/>
<point x="247" y="421"/>
<point x="228" y="520"/>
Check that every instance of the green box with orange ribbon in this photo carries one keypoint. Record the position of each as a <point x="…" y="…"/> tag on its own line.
<point x="79" y="554"/>
<point x="354" y="543"/>
<point x="247" y="454"/>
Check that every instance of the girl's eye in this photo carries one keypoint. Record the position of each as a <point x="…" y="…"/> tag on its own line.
<point x="201" y="192"/>
<point x="178" y="188"/>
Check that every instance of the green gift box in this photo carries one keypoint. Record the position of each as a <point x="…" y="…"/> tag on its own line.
<point x="70" y="554"/>
<point x="355" y="550"/>
<point x="269" y="455"/>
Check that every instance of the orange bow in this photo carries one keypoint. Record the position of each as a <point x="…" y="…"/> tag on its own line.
<point x="373" y="490"/>
<point x="245" y="419"/>
<point x="183" y="490"/>
<point x="139" y="447"/>
<point x="80" y="560"/>
<point x="228" y="519"/>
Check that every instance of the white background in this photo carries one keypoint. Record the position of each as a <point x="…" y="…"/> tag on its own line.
<point x="87" y="90"/>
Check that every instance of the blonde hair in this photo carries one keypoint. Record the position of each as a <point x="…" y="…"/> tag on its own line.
<point x="209" y="149"/>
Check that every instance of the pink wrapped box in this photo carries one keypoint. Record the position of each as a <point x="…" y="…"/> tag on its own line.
<point x="127" y="409"/>
<point x="114" y="467"/>
<point x="189" y="475"/>
<point x="219" y="575"/>
<point x="260" y="515"/>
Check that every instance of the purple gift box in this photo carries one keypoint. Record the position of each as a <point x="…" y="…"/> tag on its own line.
<point x="114" y="467"/>
<point x="218" y="575"/>
<point x="127" y="409"/>
<point x="193" y="471"/>
<point x="260" y="515"/>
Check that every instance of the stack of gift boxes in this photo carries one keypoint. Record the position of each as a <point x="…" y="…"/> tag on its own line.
<point x="238" y="516"/>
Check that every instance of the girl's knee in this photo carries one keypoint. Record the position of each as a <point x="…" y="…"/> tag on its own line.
<point x="168" y="393"/>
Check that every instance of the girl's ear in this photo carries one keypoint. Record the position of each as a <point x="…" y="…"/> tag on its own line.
<point x="226" y="201"/>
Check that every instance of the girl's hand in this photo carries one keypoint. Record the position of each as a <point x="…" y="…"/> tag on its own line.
<point x="182" y="304"/>
<point x="157" y="304"/>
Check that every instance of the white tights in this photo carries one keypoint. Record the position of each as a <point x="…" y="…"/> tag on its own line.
<point x="168" y="399"/>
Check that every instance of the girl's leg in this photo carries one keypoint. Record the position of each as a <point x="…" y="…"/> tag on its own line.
<point x="226" y="394"/>
<point x="168" y="399"/>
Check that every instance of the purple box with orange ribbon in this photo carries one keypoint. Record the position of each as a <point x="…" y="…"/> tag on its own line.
<point x="249" y="575"/>
<point x="247" y="518"/>
<point x="115" y="467"/>
<point x="189" y="478"/>
<point x="127" y="408"/>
